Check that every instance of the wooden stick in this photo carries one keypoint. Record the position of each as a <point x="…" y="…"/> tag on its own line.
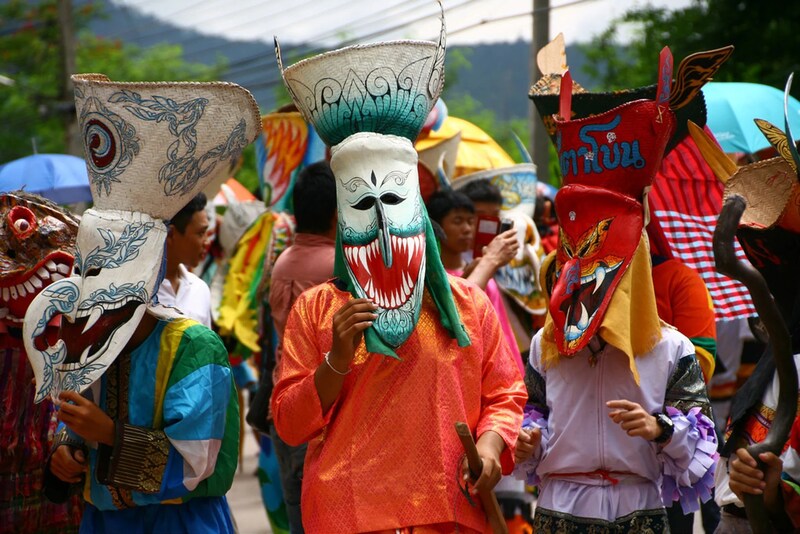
<point x="727" y="264"/>
<point x="490" y="505"/>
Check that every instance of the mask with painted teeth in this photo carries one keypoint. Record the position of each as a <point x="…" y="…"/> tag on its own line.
<point x="37" y="239"/>
<point x="118" y="259"/>
<point x="381" y="228"/>
<point x="600" y="230"/>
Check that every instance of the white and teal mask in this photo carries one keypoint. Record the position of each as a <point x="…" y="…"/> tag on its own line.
<point x="369" y="103"/>
<point x="382" y="228"/>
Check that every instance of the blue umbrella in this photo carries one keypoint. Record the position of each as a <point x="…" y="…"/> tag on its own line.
<point x="60" y="177"/>
<point x="732" y="106"/>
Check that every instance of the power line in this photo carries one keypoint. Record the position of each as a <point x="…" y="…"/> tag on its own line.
<point x="354" y="40"/>
<point x="266" y="17"/>
<point x="273" y="82"/>
<point x="199" y="22"/>
<point x="334" y="31"/>
<point x="246" y="62"/>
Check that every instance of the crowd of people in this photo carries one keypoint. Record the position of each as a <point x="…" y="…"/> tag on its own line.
<point x="362" y="313"/>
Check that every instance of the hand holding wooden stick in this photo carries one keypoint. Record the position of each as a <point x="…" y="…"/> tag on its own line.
<point x="490" y="505"/>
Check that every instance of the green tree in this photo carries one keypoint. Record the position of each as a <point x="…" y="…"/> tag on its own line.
<point x="763" y="32"/>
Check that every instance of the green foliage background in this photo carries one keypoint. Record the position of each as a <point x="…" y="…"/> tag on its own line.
<point x="764" y="32"/>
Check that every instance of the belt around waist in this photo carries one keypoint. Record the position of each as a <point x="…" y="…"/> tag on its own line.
<point x="601" y="477"/>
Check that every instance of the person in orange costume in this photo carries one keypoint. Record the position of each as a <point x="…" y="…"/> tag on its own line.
<point x="379" y="363"/>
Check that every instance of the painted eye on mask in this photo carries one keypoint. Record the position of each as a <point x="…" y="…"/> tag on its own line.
<point x="589" y="243"/>
<point x="368" y="202"/>
<point x="94" y="271"/>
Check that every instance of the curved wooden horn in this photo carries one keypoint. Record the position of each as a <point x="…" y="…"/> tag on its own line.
<point x="727" y="264"/>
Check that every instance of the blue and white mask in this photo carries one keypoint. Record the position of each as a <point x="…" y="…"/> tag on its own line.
<point x="150" y="147"/>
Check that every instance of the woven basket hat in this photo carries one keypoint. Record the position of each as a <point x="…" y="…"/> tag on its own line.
<point x="150" y="147"/>
<point x="771" y="188"/>
<point x="387" y="88"/>
<point x="517" y="184"/>
<point x="772" y="192"/>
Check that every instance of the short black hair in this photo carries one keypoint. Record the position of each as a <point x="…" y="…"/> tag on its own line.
<point x="182" y="218"/>
<point x="314" y="198"/>
<point x="483" y="191"/>
<point x="444" y="201"/>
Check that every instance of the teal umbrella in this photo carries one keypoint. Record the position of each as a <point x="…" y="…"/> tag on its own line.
<point x="61" y="178"/>
<point x="732" y="106"/>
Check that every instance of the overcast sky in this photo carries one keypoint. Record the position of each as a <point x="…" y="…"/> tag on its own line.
<point x="330" y="21"/>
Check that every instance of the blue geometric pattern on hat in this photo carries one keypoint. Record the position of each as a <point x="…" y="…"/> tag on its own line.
<point x="387" y="88"/>
<point x="390" y="100"/>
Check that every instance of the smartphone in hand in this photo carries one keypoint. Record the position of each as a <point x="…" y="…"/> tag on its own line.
<point x="488" y="226"/>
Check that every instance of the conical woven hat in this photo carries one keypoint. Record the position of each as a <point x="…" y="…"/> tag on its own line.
<point x="386" y="88"/>
<point x="151" y="146"/>
<point x="768" y="186"/>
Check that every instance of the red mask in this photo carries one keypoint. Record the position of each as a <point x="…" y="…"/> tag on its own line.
<point x="600" y="230"/>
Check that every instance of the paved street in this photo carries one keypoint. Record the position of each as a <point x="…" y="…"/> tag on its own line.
<point x="245" y="495"/>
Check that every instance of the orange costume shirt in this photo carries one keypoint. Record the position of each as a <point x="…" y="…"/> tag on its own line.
<point x="386" y="455"/>
<point x="684" y="302"/>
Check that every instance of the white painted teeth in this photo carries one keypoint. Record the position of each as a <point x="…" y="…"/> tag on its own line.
<point x="360" y="256"/>
<point x="85" y="354"/>
<point x="13" y="291"/>
<point x="584" y="320"/>
<point x="43" y="273"/>
<point x="600" y="274"/>
<point x="3" y="313"/>
<point x="6" y="294"/>
<point x="62" y="268"/>
<point x="56" y="277"/>
<point x="36" y="282"/>
<point x="50" y="264"/>
<point x="97" y="312"/>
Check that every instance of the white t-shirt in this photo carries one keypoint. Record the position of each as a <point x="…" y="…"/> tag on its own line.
<point x="193" y="298"/>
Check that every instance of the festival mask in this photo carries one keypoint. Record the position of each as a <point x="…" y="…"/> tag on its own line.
<point x="369" y="103"/>
<point x="151" y="147"/>
<point x="381" y="227"/>
<point x="519" y="278"/>
<point x="620" y="149"/>
<point x="38" y="241"/>
<point x="599" y="233"/>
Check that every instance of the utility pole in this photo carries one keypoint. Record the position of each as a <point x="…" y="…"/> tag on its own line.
<point x="540" y="142"/>
<point x="66" y="104"/>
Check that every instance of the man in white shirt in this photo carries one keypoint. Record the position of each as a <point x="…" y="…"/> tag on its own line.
<point x="186" y="247"/>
